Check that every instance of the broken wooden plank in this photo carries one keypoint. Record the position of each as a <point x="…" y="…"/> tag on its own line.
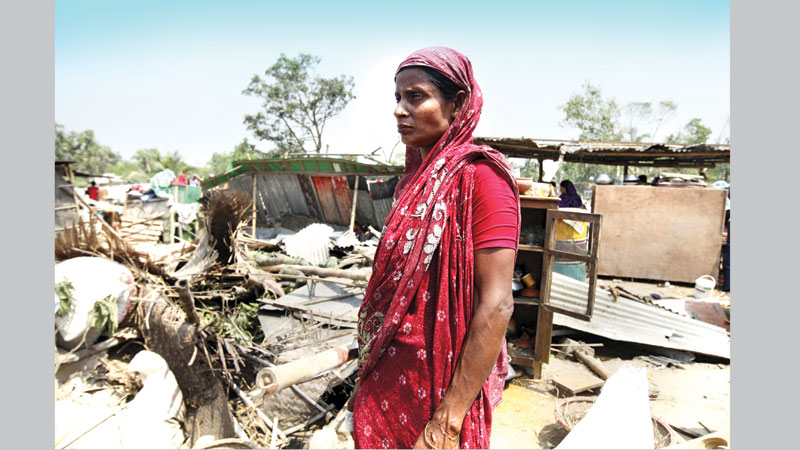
<point x="573" y="383"/>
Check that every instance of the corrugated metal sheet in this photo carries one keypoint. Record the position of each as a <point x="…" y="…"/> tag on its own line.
<point x="293" y="193"/>
<point x="323" y="198"/>
<point x="327" y="199"/>
<point x="311" y="243"/>
<point x="365" y="212"/>
<point x="310" y="197"/>
<point x="382" y="208"/>
<point x="632" y="321"/>
<point x="613" y="153"/>
<point x="344" y="198"/>
<point x="66" y="211"/>
<point x="309" y="165"/>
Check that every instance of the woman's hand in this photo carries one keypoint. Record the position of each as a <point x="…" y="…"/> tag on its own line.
<point x="434" y="436"/>
<point x="352" y="400"/>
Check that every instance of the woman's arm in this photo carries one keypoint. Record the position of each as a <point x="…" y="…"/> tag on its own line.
<point x="494" y="269"/>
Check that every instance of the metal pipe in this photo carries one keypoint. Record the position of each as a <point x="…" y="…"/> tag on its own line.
<point x="272" y="379"/>
<point x="296" y="389"/>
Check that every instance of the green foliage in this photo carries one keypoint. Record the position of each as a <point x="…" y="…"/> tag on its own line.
<point x="693" y="132"/>
<point x="239" y="324"/>
<point x="596" y="118"/>
<point x="152" y="161"/>
<point x="720" y="172"/>
<point x="64" y="291"/>
<point x="89" y="156"/>
<point x="129" y="171"/>
<point x="103" y="315"/>
<point x="296" y="103"/>
<point x="530" y="169"/>
<point x="221" y="162"/>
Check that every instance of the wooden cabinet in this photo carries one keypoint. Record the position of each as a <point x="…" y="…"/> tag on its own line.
<point x="539" y="261"/>
<point x="526" y="309"/>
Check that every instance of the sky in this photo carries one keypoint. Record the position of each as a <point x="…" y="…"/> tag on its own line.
<point x="170" y="74"/>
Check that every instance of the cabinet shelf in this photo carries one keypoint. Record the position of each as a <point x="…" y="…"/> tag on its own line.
<point x="532" y="301"/>
<point x="538" y="202"/>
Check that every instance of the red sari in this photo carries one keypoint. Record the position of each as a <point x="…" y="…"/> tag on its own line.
<point x="419" y="302"/>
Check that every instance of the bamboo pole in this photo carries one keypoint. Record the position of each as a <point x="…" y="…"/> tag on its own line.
<point x="355" y="198"/>
<point x="355" y="275"/>
<point x="255" y="204"/>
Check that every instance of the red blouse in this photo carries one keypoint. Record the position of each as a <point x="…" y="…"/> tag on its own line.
<point x="494" y="210"/>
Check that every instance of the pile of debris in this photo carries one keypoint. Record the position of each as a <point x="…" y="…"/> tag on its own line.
<point x="230" y="341"/>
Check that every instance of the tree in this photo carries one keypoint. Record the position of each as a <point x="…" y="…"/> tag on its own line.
<point x="693" y="132"/>
<point x="296" y="103"/>
<point x="664" y="110"/>
<point x="644" y="114"/>
<point x="221" y="162"/>
<point x="595" y="117"/>
<point x="152" y="161"/>
<point x="89" y="156"/>
<point x="636" y="112"/>
<point x="149" y="160"/>
<point x="129" y="171"/>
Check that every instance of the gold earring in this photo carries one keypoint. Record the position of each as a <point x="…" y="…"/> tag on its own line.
<point x="455" y="113"/>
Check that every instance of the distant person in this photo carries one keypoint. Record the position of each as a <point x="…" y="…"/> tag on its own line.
<point x="194" y="181"/>
<point x="93" y="191"/>
<point x="180" y="181"/>
<point x="642" y="179"/>
<point x="569" y="196"/>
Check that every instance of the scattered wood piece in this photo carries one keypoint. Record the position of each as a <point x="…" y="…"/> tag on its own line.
<point x="118" y="338"/>
<point x="706" y="428"/>
<point x="576" y="382"/>
<point x="273" y="439"/>
<point x="247" y="401"/>
<point x="686" y="431"/>
<point x="713" y="440"/>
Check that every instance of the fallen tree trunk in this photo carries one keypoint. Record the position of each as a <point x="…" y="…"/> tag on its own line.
<point x="178" y="342"/>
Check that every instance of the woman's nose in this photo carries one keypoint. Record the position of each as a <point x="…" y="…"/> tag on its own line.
<point x="399" y="110"/>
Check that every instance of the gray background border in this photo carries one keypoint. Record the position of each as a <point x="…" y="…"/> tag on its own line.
<point x="764" y="103"/>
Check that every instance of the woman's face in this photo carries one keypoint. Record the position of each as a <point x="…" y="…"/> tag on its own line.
<point x="422" y="112"/>
<point x="563" y="190"/>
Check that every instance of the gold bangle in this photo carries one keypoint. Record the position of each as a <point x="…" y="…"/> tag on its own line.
<point x="425" y="436"/>
<point x="452" y="438"/>
<point x="456" y="438"/>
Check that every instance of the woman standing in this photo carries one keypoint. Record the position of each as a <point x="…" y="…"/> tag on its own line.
<point x="569" y="196"/>
<point x="431" y="327"/>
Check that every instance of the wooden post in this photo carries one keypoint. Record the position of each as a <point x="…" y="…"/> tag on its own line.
<point x="255" y="204"/>
<point x="171" y="234"/>
<point x="72" y="182"/>
<point x="355" y="198"/>
<point x="541" y="169"/>
<point x="626" y="172"/>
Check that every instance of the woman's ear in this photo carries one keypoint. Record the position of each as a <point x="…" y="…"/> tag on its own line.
<point x="458" y="102"/>
<point x="461" y="96"/>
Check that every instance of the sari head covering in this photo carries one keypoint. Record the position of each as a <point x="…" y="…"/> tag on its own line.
<point x="419" y="301"/>
<point x="571" y="199"/>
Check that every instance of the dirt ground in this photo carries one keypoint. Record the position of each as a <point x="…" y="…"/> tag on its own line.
<point x="690" y="395"/>
<point x="698" y="392"/>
